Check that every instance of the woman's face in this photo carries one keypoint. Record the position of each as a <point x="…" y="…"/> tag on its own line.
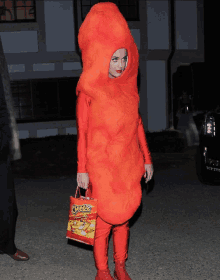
<point x="118" y="63"/>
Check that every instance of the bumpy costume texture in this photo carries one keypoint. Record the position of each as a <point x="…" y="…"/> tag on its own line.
<point x="112" y="147"/>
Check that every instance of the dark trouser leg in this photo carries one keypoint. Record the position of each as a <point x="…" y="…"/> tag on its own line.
<point x="8" y="209"/>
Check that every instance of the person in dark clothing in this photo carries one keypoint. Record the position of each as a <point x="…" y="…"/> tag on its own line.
<point x="9" y="149"/>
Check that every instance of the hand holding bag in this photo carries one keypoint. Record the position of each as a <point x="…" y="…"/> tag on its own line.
<point x="82" y="218"/>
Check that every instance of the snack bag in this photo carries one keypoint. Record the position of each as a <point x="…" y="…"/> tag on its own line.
<point x="82" y="219"/>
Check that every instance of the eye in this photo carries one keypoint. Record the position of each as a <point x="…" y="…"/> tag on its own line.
<point x="115" y="59"/>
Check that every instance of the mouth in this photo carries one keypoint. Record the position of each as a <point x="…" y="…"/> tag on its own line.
<point x="119" y="71"/>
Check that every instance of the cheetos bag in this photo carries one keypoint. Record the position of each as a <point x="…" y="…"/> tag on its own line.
<point x="82" y="218"/>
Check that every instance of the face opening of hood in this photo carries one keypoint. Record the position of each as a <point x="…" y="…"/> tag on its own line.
<point x="118" y="63"/>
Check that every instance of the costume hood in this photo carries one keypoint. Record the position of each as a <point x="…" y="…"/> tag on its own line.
<point x="103" y="32"/>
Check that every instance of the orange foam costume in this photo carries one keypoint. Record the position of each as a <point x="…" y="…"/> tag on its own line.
<point x="111" y="145"/>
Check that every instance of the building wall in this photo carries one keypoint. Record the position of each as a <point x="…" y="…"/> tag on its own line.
<point x="46" y="49"/>
<point x="156" y="48"/>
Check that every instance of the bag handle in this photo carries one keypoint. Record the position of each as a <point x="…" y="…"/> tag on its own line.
<point x="78" y="190"/>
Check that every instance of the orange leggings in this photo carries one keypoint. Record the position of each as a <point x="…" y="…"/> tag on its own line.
<point x="120" y="243"/>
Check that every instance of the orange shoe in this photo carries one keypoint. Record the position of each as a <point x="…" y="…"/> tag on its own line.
<point x="103" y="275"/>
<point x="120" y="271"/>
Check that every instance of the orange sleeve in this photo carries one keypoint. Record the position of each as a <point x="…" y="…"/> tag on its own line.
<point x="82" y="106"/>
<point x="143" y="142"/>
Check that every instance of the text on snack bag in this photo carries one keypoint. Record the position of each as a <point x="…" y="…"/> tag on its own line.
<point x="85" y="208"/>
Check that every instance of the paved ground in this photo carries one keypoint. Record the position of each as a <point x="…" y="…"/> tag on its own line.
<point x="175" y="234"/>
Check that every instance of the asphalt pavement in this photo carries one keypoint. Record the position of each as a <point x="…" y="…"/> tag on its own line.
<point x="174" y="234"/>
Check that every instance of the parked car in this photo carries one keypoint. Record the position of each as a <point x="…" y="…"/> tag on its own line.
<point x="208" y="151"/>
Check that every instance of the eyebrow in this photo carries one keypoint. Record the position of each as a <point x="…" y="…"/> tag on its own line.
<point x="118" y="57"/>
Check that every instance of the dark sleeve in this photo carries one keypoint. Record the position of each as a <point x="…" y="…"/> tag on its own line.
<point x="5" y="132"/>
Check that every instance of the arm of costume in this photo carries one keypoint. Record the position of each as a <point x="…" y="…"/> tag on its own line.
<point x="5" y="132"/>
<point x="143" y="142"/>
<point x="82" y="107"/>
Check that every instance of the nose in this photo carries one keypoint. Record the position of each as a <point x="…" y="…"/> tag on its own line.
<point x="121" y="65"/>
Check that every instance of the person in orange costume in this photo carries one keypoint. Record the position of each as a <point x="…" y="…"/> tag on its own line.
<point x="112" y="150"/>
